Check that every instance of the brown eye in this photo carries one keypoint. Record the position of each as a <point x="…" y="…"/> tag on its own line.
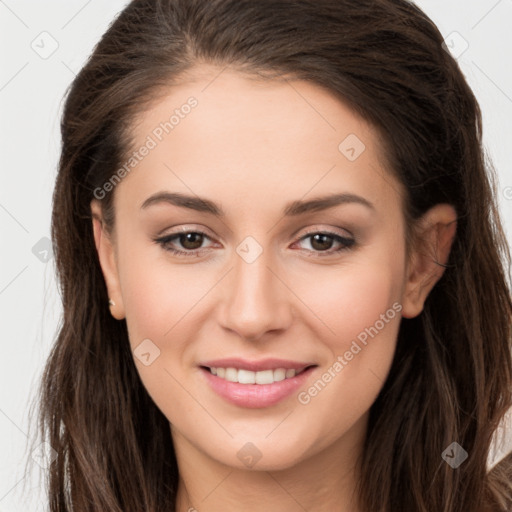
<point x="191" y="241"/>
<point x="321" y="243"/>
<point x="186" y="243"/>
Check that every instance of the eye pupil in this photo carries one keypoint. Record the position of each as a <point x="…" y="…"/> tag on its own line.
<point x="194" y="239"/>
<point x="325" y="241"/>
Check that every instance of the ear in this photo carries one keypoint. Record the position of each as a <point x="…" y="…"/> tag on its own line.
<point x="108" y="260"/>
<point x="434" y="236"/>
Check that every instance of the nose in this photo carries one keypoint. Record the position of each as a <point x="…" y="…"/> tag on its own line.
<point x="257" y="300"/>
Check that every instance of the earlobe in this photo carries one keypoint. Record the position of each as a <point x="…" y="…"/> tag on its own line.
<point x="108" y="263"/>
<point x="428" y="262"/>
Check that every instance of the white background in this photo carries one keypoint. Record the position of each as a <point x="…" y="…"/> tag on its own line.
<point x="31" y="92"/>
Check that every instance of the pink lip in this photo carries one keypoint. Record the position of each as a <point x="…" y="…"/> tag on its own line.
<point x="256" y="366"/>
<point x="254" y="396"/>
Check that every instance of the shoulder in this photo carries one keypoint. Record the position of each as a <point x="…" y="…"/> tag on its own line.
<point x="499" y="484"/>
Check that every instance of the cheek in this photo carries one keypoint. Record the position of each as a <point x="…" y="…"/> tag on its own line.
<point x="156" y="293"/>
<point x="159" y="301"/>
<point x="360" y="306"/>
<point x="353" y="297"/>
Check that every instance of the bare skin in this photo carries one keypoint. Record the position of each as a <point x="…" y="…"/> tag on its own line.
<point x="253" y="147"/>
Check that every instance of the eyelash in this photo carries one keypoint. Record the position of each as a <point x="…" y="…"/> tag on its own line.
<point x="347" y="243"/>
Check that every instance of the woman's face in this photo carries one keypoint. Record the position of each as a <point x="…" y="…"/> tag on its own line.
<point x="295" y="260"/>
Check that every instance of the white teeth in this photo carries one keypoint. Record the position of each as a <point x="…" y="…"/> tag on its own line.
<point x="290" y="373"/>
<point x="265" y="377"/>
<point x="279" y="374"/>
<point x="246" y="377"/>
<point x="249" y="377"/>
<point x="231" y="375"/>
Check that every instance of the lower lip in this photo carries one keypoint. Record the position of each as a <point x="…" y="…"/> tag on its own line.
<point x="256" y="396"/>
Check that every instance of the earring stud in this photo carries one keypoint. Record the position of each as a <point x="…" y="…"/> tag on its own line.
<point x="111" y="302"/>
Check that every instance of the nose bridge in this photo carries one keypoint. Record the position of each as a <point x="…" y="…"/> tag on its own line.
<point x="256" y="302"/>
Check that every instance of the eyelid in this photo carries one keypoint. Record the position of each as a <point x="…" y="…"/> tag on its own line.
<point x="326" y="230"/>
<point x="185" y="228"/>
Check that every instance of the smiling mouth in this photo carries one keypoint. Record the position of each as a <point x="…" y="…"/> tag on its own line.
<point x="250" y="377"/>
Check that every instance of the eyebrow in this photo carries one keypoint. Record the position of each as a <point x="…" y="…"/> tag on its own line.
<point x="291" y="209"/>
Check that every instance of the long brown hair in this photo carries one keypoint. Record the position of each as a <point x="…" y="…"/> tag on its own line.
<point x="451" y="379"/>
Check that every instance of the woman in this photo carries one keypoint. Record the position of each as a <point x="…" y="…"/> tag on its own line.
<point x="282" y="267"/>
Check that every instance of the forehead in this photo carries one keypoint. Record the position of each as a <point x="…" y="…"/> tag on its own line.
<point x="221" y="133"/>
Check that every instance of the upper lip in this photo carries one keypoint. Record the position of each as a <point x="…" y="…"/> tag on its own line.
<point x="256" y="366"/>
